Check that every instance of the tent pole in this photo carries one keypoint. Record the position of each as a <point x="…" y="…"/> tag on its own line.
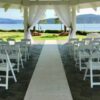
<point x="25" y="22"/>
<point x="74" y="21"/>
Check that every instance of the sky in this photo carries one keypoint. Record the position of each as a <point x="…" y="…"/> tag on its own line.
<point x="17" y="14"/>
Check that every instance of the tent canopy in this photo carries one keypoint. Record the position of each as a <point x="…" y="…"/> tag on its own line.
<point x="18" y="3"/>
<point x="29" y="2"/>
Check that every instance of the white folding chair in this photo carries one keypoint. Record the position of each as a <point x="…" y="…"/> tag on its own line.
<point x="15" y="54"/>
<point x="28" y="43"/>
<point x="95" y="42"/>
<point x="24" y="48"/>
<point x="70" y="48"/>
<point x="72" y="40"/>
<point x="87" y="40"/>
<point x="6" y="66"/>
<point x="93" y="65"/>
<point x="97" y="39"/>
<point x="84" y="52"/>
<point x="11" y="41"/>
<point x="76" y="47"/>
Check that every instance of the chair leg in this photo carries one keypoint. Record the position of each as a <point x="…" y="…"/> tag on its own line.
<point x="18" y="65"/>
<point x="86" y="71"/>
<point x="12" y="71"/>
<point x="25" y="56"/>
<point x="22" y="63"/>
<point x="7" y="77"/>
<point x="80" y="64"/>
<point x="28" y="55"/>
<point x="91" y="77"/>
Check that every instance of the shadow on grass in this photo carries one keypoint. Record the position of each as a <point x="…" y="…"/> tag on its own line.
<point x="52" y="36"/>
<point x="13" y="37"/>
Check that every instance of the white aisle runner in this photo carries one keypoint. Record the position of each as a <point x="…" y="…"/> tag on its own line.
<point x="49" y="81"/>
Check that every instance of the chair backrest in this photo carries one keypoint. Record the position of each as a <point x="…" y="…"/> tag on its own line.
<point x="3" y="53"/>
<point x="23" y="47"/>
<point x="85" y="50"/>
<point x="87" y="40"/>
<point x="95" y="58"/>
<point x="13" y="50"/>
<point x="3" y="43"/>
<point x="79" y="43"/>
<point x="72" y="40"/>
<point x="27" y="41"/>
<point x="97" y="39"/>
<point x="11" y="41"/>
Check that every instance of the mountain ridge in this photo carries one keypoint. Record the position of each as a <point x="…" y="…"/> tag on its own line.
<point x="81" y="19"/>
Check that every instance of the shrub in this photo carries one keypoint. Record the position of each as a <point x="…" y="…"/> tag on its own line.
<point x="82" y="33"/>
<point x="63" y="34"/>
<point x="36" y="34"/>
<point x="53" y="31"/>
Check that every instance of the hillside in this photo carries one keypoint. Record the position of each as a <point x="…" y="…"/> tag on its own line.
<point x="10" y="21"/>
<point x="87" y="18"/>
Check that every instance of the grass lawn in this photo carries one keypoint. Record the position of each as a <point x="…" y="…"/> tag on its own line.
<point x="48" y="36"/>
<point x="45" y="36"/>
<point x="15" y="35"/>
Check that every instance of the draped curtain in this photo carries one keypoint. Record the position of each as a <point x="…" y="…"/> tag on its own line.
<point x="64" y="14"/>
<point x="73" y="21"/>
<point x="35" y="14"/>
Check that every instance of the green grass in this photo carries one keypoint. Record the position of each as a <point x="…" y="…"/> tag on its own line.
<point x="49" y="36"/>
<point x="46" y="36"/>
<point x="15" y="35"/>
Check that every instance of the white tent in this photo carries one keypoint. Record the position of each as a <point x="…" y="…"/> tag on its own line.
<point x="34" y="10"/>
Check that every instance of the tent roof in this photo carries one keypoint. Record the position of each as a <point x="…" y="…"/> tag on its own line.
<point x="80" y="3"/>
<point x="32" y="2"/>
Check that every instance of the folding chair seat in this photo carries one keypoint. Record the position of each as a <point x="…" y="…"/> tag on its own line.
<point x="6" y="66"/>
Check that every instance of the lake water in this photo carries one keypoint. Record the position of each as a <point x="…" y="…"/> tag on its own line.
<point x="82" y="27"/>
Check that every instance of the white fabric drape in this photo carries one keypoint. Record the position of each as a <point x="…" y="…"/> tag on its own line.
<point x="73" y="17"/>
<point x="63" y="12"/>
<point x="35" y="14"/>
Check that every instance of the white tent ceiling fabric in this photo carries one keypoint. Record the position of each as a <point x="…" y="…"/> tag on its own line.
<point x="81" y="3"/>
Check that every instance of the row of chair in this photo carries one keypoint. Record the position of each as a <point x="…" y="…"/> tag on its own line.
<point x="12" y="55"/>
<point x="86" y="54"/>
